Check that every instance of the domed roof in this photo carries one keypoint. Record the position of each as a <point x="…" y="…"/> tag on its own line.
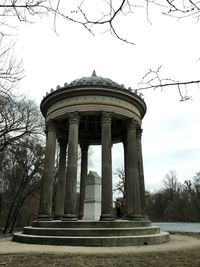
<point x="92" y="95"/>
<point x="94" y="80"/>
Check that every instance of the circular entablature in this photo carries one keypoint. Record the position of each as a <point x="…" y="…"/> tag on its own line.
<point x="90" y="96"/>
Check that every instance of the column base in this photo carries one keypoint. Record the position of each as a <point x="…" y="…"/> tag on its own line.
<point x="80" y="216"/>
<point x="136" y="217"/>
<point x="57" y="217"/>
<point x="44" y="217"/>
<point x="146" y="217"/>
<point x="69" y="217"/>
<point x="107" y="217"/>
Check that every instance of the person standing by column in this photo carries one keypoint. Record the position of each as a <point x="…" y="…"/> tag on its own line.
<point x="118" y="207"/>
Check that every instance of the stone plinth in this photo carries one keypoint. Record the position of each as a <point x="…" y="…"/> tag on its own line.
<point x="92" y="233"/>
<point x="92" y="202"/>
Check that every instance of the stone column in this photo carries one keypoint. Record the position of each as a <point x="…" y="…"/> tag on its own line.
<point x="125" y="170"/>
<point x="60" y="187"/>
<point x="84" y="170"/>
<point x="106" y="194"/>
<point x="71" y="177"/>
<point x="141" y="171"/>
<point x="46" y="194"/>
<point x="133" y="206"/>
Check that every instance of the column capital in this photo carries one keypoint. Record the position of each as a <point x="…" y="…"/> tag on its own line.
<point x="62" y="142"/>
<point x="74" y="118"/>
<point x="124" y="140"/>
<point x="106" y="117"/>
<point x="139" y="133"/>
<point x="132" y="124"/>
<point x="84" y="146"/>
<point x="50" y="126"/>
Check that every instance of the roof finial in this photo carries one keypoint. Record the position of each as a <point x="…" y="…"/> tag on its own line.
<point x="94" y="73"/>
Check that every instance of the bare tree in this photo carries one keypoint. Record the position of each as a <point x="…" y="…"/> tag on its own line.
<point x="18" y="119"/>
<point x="171" y="183"/>
<point x="12" y="11"/>
<point x="11" y="70"/>
<point x="20" y="175"/>
<point x="120" y="185"/>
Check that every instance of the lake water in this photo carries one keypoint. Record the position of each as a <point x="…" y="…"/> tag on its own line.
<point x="179" y="227"/>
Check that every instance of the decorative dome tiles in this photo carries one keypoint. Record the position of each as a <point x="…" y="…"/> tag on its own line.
<point x="94" y="80"/>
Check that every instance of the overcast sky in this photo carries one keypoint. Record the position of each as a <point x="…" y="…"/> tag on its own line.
<point x="171" y="129"/>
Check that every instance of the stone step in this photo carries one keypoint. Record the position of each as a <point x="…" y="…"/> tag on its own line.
<point x="91" y="224"/>
<point x="90" y="231"/>
<point x="90" y="241"/>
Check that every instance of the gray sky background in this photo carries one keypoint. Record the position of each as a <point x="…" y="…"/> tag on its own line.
<point x="171" y="128"/>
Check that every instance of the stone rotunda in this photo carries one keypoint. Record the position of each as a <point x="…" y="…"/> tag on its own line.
<point x="91" y="111"/>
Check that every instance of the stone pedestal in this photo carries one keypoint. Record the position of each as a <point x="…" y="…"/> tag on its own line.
<point x="92" y="203"/>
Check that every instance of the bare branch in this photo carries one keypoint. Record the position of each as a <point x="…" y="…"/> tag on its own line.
<point x="25" y="10"/>
<point x="81" y="17"/>
<point x="152" y="80"/>
<point x="179" y="9"/>
<point x="11" y="71"/>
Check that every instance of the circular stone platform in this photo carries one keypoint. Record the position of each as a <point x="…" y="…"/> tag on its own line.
<point x="92" y="233"/>
<point x="92" y="111"/>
